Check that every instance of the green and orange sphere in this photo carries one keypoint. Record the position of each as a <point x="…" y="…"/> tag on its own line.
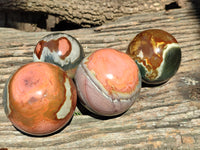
<point x="39" y="98"/>
<point x="157" y="54"/>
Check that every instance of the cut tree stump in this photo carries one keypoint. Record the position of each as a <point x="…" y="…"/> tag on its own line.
<point x="163" y="117"/>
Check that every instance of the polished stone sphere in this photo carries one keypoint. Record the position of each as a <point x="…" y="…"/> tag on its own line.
<point x="108" y="82"/>
<point x="157" y="54"/>
<point x="39" y="98"/>
<point x="60" y="49"/>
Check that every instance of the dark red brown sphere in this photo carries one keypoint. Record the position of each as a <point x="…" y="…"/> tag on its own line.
<point x="157" y="54"/>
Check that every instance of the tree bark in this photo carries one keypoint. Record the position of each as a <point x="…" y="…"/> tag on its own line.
<point x="85" y="13"/>
<point x="164" y="117"/>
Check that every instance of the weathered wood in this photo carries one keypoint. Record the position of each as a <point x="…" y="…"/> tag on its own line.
<point x="164" y="117"/>
<point x="85" y="13"/>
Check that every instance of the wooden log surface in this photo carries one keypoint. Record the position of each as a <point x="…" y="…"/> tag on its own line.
<point x="85" y="12"/>
<point x="163" y="117"/>
<point x="37" y="15"/>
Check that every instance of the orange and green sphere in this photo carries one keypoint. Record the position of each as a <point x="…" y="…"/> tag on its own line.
<point x="157" y="54"/>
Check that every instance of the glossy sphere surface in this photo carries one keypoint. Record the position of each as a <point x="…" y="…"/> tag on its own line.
<point x="60" y="49"/>
<point x="108" y="82"/>
<point x="157" y="55"/>
<point x="39" y="98"/>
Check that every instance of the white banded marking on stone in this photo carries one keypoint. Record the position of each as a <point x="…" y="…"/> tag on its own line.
<point x="141" y="55"/>
<point x="65" y="108"/>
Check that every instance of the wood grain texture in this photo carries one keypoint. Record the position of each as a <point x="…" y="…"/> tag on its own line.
<point x="164" y="117"/>
<point x="85" y="13"/>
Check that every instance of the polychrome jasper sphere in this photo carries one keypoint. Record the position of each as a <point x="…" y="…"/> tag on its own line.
<point x="108" y="82"/>
<point x="60" y="49"/>
<point x="157" y="54"/>
<point x="39" y="98"/>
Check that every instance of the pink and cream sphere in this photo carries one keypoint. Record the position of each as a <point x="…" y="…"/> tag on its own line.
<point x="39" y="98"/>
<point x="108" y="82"/>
